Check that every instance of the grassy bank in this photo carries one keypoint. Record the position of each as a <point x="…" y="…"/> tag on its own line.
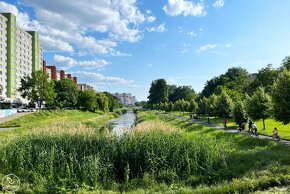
<point x="162" y="155"/>
<point x="284" y="130"/>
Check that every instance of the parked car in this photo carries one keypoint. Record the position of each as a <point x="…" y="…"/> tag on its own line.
<point x="32" y="109"/>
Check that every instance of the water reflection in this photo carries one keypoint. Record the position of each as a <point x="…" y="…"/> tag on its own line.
<point x="125" y="122"/>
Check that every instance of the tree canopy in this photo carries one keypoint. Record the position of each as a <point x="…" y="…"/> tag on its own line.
<point x="281" y="97"/>
<point x="37" y="89"/>
<point x="158" y="91"/>
<point x="258" y="105"/>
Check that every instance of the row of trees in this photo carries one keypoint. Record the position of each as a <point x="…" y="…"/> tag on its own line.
<point x="160" y="91"/>
<point x="64" y="94"/>
<point x="234" y="93"/>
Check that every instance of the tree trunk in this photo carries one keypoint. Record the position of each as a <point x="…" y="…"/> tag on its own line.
<point x="264" y="124"/>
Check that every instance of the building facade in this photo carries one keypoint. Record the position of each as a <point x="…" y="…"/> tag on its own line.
<point x="84" y="87"/>
<point x="20" y="55"/>
<point x="126" y="98"/>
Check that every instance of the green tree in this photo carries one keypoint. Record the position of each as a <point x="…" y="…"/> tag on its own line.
<point x="224" y="105"/>
<point x="281" y="96"/>
<point x="38" y="89"/>
<point x="239" y="112"/>
<point x="211" y="85"/>
<point x="88" y="100"/>
<point x="202" y="106"/>
<point x="286" y="63"/>
<point x="102" y="102"/>
<point x="182" y="92"/>
<point x="67" y="93"/>
<point x="258" y="105"/>
<point x="265" y="78"/>
<point x="158" y="92"/>
<point x="193" y="106"/>
<point x="113" y="101"/>
<point x="211" y="105"/>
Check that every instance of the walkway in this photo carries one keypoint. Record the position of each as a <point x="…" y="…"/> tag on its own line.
<point x="12" y="117"/>
<point x="229" y="130"/>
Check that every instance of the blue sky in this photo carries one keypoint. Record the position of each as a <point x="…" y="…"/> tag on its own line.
<point x="122" y="45"/>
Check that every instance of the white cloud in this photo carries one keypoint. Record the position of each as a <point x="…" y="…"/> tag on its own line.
<point x="192" y="34"/>
<point x="184" y="7"/>
<point x="206" y="47"/>
<point x="64" y="25"/>
<point x="149" y="65"/>
<point x="160" y="28"/>
<point x="228" y="45"/>
<point x="218" y="3"/>
<point x="101" y="79"/>
<point x="70" y="62"/>
<point x="151" y="18"/>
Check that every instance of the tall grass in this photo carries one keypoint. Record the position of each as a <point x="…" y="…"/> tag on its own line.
<point x="73" y="155"/>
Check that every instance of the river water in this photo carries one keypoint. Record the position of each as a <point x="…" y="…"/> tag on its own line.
<point x="124" y="123"/>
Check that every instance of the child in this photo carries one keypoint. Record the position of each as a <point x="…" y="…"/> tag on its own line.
<point x="275" y="134"/>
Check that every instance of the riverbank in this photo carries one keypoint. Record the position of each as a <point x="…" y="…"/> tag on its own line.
<point x="162" y="154"/>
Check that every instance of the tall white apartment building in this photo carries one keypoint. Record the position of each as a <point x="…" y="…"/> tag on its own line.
<point x="20" y="55"/>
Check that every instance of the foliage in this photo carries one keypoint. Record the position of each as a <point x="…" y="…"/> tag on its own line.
<point x="102" y="102"/>
<point x="236" y="78"/>
<point x="286" y="63"/>
<point x="211" y="105"/>
<point x="113" y="102"/>
<point x="193" y="106"/>
<point x="258" y="105"/>
<point x="88" y="100"/>
<point x="281" y="97"/>
<point x="224" y="105"/>
<point x="202" y="105"/>
<point x="265" y="78"/>
<point x="181" y="92"/>
<point x="37" y="88"/>
<point x="239" y="112"/>
<point x="67" y="93"/>
<point x="158" y="92"/>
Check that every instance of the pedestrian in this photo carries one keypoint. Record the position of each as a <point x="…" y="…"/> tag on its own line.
<point x="250" y="126"/>
<point x="225" y="122"/>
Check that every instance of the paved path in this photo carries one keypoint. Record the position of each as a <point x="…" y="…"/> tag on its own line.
<point x="12" y="117"/>
<point x="282" y="141"/>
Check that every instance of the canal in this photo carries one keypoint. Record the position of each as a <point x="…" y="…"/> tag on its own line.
<point x="124" y="123"/>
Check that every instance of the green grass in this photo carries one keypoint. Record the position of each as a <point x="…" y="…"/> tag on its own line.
<point x="284" y="130"/>
<point x="163" y="154"/>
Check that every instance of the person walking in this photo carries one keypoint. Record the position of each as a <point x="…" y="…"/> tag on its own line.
<point x="250" y="125"/>
<point x="225" y="122"/>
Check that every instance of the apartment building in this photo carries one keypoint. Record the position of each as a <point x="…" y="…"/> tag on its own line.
<point x="84" y="87"/>
<point x="20" y="55"/>
<point x="126" y="98"/>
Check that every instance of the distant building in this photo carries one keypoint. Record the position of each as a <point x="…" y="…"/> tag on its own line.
<point x="84" y="87"/>
<point x="126" y="98"/>
<point x="252" y="76"/>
